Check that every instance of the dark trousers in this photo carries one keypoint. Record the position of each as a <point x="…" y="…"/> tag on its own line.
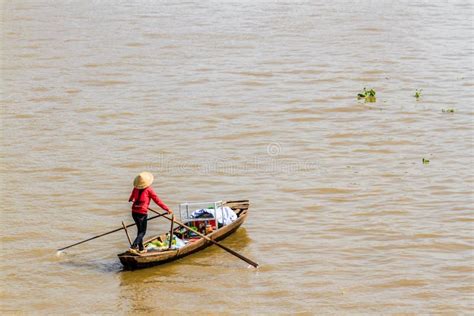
<point x="140" y="221"/>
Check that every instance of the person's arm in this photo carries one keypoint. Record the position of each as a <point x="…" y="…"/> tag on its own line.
<point x="159" y="202"/>
<point x="130" y="199"/>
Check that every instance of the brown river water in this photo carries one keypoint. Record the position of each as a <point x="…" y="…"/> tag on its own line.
<point x="240" y="100"/>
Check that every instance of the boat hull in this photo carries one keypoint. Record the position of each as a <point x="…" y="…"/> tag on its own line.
<point x="132" y="261"/>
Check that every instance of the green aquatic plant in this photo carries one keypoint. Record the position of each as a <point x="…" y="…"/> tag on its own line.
<point x="367" y="95"/>
<point x="448" y="110"/>
<point x="418" y="93"/>
<point x="425" y="161"/>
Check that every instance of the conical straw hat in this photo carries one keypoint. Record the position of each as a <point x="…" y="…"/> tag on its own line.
<point x="143" y="180"/>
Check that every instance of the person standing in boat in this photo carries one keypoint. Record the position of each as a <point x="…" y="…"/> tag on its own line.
<point x="141" y="195"/>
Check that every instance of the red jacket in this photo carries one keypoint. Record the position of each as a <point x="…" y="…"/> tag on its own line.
<point x="141" y="205"/>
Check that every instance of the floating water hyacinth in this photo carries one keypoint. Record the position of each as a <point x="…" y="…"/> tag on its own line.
<point x="449" y="110"/>
<point x="418" y="93"/>
<point x="367" y="95"/>
<point x="425" y="161"/>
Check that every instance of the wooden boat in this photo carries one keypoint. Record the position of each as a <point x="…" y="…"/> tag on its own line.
<point x="132" y="261"/>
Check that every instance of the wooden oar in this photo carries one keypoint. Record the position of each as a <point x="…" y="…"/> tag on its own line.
<point x="110" y="232"/>
<point x="238" y="255"/>
<point x="126" y="232"/>
<point x="171" y="232"/>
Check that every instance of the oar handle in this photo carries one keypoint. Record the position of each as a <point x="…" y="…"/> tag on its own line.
<point x="254" y="264"/>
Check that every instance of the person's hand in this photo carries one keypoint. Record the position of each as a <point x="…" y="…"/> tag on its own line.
<point x="170" y="211"/>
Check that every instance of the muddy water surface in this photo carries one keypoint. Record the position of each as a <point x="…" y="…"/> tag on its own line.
<point x="240" y="100"/>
